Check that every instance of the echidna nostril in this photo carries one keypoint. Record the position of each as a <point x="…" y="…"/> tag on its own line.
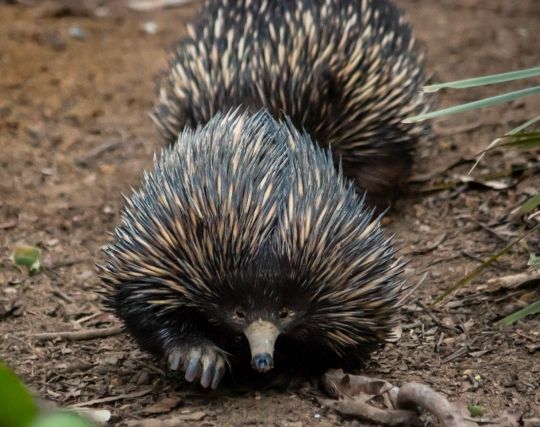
<point x="262" y="362"/>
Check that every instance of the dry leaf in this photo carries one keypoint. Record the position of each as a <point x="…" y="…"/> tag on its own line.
<point x="163" y="406"/>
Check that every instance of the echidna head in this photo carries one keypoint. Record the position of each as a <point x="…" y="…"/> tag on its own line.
<point x="262" y="302"/>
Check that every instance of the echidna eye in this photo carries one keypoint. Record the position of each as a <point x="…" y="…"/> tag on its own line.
<point x="283" y="313"/>
<point x="240" y="314"/>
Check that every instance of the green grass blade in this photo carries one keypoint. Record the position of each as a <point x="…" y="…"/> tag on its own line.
<point x="534" y="261"/>
<point x="531" y="204"/>
<point x="520" y="314"/>
<point x="485" y="80"/>
<point x="469" y="277"/>
<point x="521" y="140"/>
<point x="495" y="143"/>
<point x="482" y="103"/>
<point x="523" y="126"/>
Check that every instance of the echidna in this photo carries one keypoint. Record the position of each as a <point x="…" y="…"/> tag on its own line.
<point x="347" y="71"/>
<point x="246" y="247"/>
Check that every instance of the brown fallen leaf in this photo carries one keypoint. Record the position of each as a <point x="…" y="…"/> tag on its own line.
<point x="363" y="410"/>
<point x="175" y="421"/>
<point x="193" y="416"/>
<point x="380" y="402"/>
<point x="11" y="308"/>
<point x="8" y="224"/>
<point x="339" y="385"/>
<point x="512" y="281"/>
<point x="163" y="406"/>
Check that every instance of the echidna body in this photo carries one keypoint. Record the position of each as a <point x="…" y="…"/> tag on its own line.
<point x="246" y="248"/>
<point x="348" y="72"/>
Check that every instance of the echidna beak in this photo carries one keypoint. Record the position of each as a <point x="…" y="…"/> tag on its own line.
<point x="261" y="336"/>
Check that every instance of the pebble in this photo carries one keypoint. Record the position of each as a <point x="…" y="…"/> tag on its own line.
<point x="77" y="33"/>
<point x="150" y="27"/>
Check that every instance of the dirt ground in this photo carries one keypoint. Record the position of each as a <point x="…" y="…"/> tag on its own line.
<point x="76" y="86"/>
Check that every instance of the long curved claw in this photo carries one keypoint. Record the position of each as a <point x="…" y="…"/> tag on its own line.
<point x="193" y="366"/>
<point x="205" y="363"/>
<point x="218" y="372"/>
<point x="174" y="359"/>
<point x="208" y="367"/>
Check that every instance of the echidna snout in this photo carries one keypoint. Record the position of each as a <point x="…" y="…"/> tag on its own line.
<point x="261" y="335"/>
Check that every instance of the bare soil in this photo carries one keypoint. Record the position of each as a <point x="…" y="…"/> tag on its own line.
<point x="76" y="85"/>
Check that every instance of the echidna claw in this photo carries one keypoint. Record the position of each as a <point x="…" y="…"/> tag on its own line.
<point x="218" y="372"/>
<point x="174" y="360"/>
<point x="193" y="366"/>
<point x="204" y="362"/>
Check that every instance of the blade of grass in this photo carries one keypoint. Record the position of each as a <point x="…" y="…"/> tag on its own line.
<point x="495" y="142"/>
<point x="484" y="80"/>
<point x="482" y="103"/>
<point x="534" y="261"/>
<point x="531" y="204"/>
<point x="521" y="140"/>
<point x="482" y="154"/>
<point x="469" y="277"/>
<point x="523" y="126"/>
<point x="520" y="314"/>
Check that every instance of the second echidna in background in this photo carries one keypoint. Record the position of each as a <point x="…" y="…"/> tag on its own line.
<point x="346" y="71"/>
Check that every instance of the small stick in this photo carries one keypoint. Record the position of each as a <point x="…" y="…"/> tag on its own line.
<point x="88" y="318"/>
<point x="86" y="334"/>
<point x="458" y="353"/>
<point x="97" y="151"/>
<point x="68" y="262"/>
<point x="478" y="259"/>
<point x="430" y="313"/>
<point x="454" y="130"/>
<point x="420" y="395"/>
<point x="490" y="230"/>
<point x="61" y="295"/>
<point x="112" y="398"/>
<point x="430" y="248"/>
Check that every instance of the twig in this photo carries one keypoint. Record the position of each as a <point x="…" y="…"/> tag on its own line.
<point x="458" y="353"/>
<point x="419" y="178"/>
<point x="454" y="130"/>
<point x="112" y="398"/>
<point x="430" y="313"/>
<point x="86" y="334"/>
<point x="463" y="281"/>
<point x="68" y="262"/>
<point x="478" y="259"/>
<point x="420" y="395"/>
<point x="430" y="248"/>
<point x="490" y="230"/>
<point x="513" y="280"/>
<point x="388" y="417"/>
<point x="97" y="151"/>
<point x="61" y="295"/>
<point x="88" y="318"/>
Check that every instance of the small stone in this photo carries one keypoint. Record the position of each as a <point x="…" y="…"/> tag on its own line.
<point x="77" y="33"/>
<point x="150" y="27"/>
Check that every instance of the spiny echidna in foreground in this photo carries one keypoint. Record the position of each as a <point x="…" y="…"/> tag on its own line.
<point x="347" y="71"/>
<point x="245" y="246"/>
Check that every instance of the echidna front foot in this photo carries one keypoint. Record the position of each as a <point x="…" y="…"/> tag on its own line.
<point x="203" y="362"/>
